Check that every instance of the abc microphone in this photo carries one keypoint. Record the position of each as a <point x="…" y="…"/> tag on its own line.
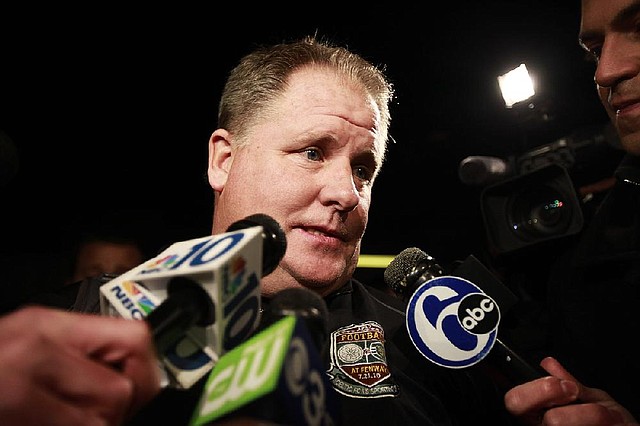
<point x="452" y="321"/>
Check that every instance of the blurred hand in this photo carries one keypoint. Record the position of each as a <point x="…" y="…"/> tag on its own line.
<point x="63" y="368"/>
<point x="559" y="399"/>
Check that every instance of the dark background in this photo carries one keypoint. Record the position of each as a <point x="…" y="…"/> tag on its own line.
<point x="111" y="109"/>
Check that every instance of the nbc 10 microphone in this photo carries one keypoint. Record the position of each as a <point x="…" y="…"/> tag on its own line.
<point x="200" y="296"/>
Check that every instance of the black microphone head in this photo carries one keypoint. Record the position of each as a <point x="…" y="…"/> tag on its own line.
<point x="395" y="275"/>
<point x="304" y="303"/>
<point x="409" y="268"/>
<point x="274" y="239"/>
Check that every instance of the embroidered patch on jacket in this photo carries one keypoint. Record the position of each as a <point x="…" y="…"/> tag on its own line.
<point x="358" y="362"/>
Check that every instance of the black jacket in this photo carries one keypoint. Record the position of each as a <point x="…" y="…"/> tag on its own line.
<point x="415" y="392"/>
<point x="595" y="295"/>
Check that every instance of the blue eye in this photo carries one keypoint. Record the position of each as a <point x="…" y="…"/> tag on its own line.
<point x="313" y="154"/>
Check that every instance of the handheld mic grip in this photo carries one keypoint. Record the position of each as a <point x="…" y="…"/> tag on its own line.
<point x="187" y="304"/>
<point x="513" y="365"/>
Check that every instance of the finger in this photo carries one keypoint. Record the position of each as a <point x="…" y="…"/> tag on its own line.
<point x="581" y="415"/>
<point x="540" y="394"/>
<point x="88" y="384"/>
<point x="125" y="344"/>
<point x="553" y="367"/>
<point x="34" y="406"/>
<point x="585" y="394"/>
<point x="135" y="357"/>
<point x="92" y="333"/>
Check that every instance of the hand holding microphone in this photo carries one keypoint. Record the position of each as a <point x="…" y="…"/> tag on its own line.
<point x="453" y="324"/>
<point x="69" y="368"/>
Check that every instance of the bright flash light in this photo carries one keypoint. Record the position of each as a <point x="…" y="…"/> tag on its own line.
<point x="516" y="85"/>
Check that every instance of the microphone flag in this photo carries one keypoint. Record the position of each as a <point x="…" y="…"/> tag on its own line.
<point x="276" y="376"/>
<point x="227" y="266"/>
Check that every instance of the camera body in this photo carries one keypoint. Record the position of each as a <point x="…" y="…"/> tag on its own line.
<point x="530" y="208"/>
<point x="536" y="202"/>
<point x="531" y="199"/>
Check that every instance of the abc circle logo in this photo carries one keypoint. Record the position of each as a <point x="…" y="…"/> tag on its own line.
<point x="452" y="322"/>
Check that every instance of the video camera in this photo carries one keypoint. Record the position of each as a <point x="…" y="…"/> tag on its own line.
<point x="531" y="198"/>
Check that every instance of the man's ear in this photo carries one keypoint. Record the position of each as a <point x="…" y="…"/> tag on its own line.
<point x="220" y="159"/>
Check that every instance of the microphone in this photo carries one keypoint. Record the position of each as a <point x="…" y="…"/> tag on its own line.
<point x="277" y="376"/>
<point x="201" y="297"/>
<point x="451" y="321"/>
<point x="187" y="304"/>
<point x="303" y="303"/>
<point x="480" y="170"/>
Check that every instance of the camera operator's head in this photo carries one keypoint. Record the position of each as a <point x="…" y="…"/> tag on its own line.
<point x="608" y="31"/>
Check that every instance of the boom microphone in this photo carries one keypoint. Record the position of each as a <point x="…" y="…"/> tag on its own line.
<point x="277" y="376"/>
<point x="452" y="321"/>
<point x="201" y="296"/>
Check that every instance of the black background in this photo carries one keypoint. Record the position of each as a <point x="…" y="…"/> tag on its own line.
<point x="111" y="109"/>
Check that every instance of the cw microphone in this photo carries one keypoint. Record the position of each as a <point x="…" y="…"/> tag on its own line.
<point x="451" y="320"/>
<point x="304" y="304"/>
<point x="201" y="297"/>
<point x="277" y="376"/>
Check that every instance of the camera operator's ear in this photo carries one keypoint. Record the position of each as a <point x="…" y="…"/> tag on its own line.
<point x="532" y="208"/>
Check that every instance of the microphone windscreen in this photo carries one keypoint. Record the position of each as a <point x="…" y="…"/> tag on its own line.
<point x="303" y="303"/>
<point x="400" y="267"/>
<point x="274" y="239"/>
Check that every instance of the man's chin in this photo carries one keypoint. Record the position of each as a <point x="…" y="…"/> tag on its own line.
<point x="631" y="143"/>
<point x="320" y="278"/>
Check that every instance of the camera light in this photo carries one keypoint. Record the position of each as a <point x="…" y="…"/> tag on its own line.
<point x="516" y="85"/>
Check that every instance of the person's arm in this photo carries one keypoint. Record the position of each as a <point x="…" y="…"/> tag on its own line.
<point x="561" y="399"/>
<point x="59" y="367"/>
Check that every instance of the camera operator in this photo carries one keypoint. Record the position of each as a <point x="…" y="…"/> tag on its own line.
<point x="595" y="290"/>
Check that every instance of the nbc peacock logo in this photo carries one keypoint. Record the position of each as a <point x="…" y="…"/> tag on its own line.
<point x="138" y="297"/>
<point x="233" y="275"/>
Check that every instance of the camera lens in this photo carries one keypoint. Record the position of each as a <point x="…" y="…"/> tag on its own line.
<point x="539" y="212"/>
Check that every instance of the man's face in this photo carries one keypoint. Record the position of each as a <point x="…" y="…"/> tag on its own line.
<point x="610" y="31"/>
<point x="310" y="164"/>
